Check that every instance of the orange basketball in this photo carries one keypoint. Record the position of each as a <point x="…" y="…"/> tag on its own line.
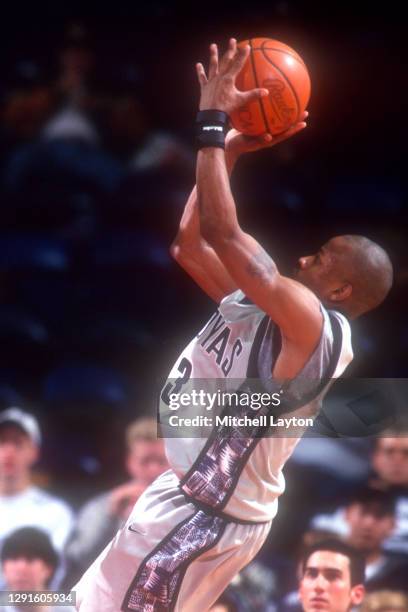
<point x="278" y="68"/>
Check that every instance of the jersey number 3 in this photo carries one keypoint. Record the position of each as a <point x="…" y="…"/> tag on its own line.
<point x="185" y="368"/>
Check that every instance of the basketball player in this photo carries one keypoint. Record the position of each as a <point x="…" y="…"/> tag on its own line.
<point x="203" y="520"/>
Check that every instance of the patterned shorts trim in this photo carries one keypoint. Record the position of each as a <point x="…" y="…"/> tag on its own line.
<point x="157" y="583"/>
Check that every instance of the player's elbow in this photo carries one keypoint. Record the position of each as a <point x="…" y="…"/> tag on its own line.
<point x="181" y="250"/>
<point x="176" y="250"/>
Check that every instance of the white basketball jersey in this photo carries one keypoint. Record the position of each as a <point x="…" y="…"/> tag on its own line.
<point x="238" y="342"/>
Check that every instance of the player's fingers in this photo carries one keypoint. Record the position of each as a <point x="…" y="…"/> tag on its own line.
<point x="253" y="94"/>
<point x="202" y="78"/>
<point x="298" y="127"/>
<point x="239" y="60"/>
<point x="229" y="55"/>
<point x="263" y="141"/>
<point x="213" y="69"/>
<point x="305" y="115"/>
<point x="232" y="48"/>
<point x="254" y="143"/>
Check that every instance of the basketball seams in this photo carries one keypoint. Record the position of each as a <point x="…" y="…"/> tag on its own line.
<point x="284" y="49"/>
<point x="295" y="57"/>
<point x="287" y="81"/>
<point x="260" y="101"/>
<point x="287" y="50"/>
<point x="277" y="111"/>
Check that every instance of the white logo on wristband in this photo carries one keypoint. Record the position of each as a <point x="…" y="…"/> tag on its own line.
<point x="209" y="128"/>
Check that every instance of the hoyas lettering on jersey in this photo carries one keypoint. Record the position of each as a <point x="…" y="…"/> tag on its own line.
<point x="215" y="342"/>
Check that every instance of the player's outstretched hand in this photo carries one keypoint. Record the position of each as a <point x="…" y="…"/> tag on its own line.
<point x="237" y="144"/>
<point x="218" y="89"/>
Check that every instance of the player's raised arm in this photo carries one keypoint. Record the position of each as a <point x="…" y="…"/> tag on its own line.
<point x="197" y="257"/>
<point x="294" y="307"/>
<point x="189" y="248"/>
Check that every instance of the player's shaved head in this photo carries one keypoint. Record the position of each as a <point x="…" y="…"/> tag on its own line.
<point x="368" y="268"/>
<point x="349" y="273"/>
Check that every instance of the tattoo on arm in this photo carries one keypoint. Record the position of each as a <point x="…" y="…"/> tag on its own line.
<point x="262" y="267"/>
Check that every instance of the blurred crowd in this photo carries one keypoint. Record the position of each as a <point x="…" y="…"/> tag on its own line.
<point x="93" y="312"/>
<point x="48" y="544"/>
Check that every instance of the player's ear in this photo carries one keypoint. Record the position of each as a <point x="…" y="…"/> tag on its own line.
<point x="357" y="594"/>
<point x="341" y="293"/>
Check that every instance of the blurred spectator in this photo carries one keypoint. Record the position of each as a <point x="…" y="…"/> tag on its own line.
<point x="101" y="517"/>
<point x="371" y="519"/>
<point x="35" y="98"/>
<point x="346" y="466"/>
<point x="290" y="575"/>
<point x="72" y="119"/>
<point x="63" y="151"/>
<point x="163" y="149"/>
<point x="385" y="601"/>
<point x="28" y="562"/>
<point x="252" y="589"/>
<point x="22" y="503"/>
<point x="332" y="577"/>
<point x="389" y="463"/>
<point x="76" y="59"/>
<point x="93" y="137"/>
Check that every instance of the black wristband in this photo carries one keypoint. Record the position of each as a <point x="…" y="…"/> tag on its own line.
<point x="211" y="127"/>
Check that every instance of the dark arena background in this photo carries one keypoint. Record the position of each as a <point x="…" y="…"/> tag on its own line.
<point x="97" y="159"/>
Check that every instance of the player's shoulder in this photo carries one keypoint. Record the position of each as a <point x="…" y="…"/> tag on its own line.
<point x="237" y="304"/>
<point x="238" y="299"/>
